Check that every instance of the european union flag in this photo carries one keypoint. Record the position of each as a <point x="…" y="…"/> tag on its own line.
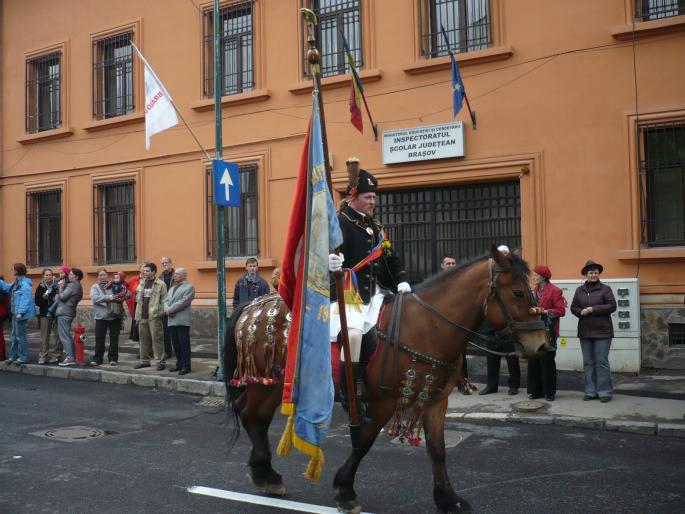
<point x="457" y="84"/>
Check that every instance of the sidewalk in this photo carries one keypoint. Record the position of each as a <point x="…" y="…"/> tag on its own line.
<point x="652" y="403"/>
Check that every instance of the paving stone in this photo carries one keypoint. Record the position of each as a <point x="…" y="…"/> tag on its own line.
<point x="144" y="380"/>
<point x="454" y="415"/>
<point x="13" y="368"/>
<point x="93" y="375"/>
<point x="576" y="422"/>
<point x="671" y="429"/>
<point x="166" y="383"/>
<point x="116" y="378"/>
<point x="633" y="427"/>
<point x="36" y="370"/>
<point x="218" y="389"/>
<point x="57" y="372"/>
<point x="193" y="387"/>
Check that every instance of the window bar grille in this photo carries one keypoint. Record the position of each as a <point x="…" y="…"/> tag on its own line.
<point x="241" y="230"/>
<point x="236" y="49"/>
<point x="43" y="93"/>
<point x="646" y="10"/>
<point x="114" y="236"/>
<point x="334" y="15"/>
<point x="462" y="221"/>
<point x="466" y="22"/>
<point x="662" y="183"/>
<point x="113" y="82"/>
<point x="44" y="227"/>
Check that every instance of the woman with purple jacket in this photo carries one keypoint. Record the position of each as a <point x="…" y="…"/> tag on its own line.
<point x="593" y="303"/>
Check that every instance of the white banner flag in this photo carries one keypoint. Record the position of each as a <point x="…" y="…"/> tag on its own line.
<point x="159" y="111"/>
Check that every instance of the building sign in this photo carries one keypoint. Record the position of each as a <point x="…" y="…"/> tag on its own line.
<point x="424" y="143"/>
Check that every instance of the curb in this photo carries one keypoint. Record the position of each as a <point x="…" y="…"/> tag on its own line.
<point x="169" y="384"/>
<point x="663" y="429"/>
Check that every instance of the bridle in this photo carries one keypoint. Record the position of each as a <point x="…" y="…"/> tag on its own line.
<point x="512" y="328"/>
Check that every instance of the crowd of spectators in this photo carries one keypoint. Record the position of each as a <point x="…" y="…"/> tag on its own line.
<point x="160" y="311"/>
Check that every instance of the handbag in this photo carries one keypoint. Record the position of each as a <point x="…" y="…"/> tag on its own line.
<point x="116" y="309"/>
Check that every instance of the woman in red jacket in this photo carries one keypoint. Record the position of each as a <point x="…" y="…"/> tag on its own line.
<point x="130" y="302"/>
<point x="4" y="314"/>
<point x="542" y="372"/>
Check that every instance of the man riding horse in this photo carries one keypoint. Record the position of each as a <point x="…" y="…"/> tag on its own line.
<point x="377" y="267"/>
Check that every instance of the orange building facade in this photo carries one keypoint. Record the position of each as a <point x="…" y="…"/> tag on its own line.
<point x="578" y="151"/>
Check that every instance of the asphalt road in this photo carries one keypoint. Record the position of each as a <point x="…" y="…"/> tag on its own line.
<point x="157" y="444"/>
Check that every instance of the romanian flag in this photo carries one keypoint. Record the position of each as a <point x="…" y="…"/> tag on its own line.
<point x="457" y="84"/>
<point x="355" y="91"/>
<point x="313" y="233"/>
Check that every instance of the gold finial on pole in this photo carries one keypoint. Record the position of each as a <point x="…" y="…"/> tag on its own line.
<point x="313" y="56"/>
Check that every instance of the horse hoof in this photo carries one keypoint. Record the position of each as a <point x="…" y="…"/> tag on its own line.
<point x="349" y="507"/>
<point x="274" y="489"/>
<point x="268" y="488"/>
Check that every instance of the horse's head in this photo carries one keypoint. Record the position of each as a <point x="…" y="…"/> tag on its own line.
<point x="510" y="306"/>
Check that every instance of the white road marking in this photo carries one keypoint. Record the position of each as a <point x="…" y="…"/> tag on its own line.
<point x="262" y="500"/>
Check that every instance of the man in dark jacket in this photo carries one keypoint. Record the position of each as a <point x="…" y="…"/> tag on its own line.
<point x="593" y="303"/>
<point x="251" y="285"/>
<point x="168" y="277"/>
<point x="375" y="268"/>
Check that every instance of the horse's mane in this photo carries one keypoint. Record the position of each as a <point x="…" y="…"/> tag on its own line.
<point x="519" y="269"/>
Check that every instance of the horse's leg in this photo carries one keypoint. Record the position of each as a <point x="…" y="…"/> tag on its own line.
<point x="434" y="427"/>
<point x="256" y="416"/>
<point x="346" y="499"/>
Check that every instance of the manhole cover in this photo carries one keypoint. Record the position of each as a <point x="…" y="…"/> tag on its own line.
<point x="211" y="402"/>
<point x="73" y="434"/>
<point x="452" y="439"/>
<point x="528" y="406"/>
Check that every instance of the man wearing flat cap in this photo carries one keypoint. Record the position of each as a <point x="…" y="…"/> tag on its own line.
<point x="376" y="271"/>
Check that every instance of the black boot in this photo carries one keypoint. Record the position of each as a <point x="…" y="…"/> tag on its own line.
<point x="358" y="374"/>
<point x="360" y="389"/>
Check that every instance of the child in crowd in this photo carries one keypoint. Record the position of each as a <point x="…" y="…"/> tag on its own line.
<point x="118" y="288"/>
<point x="63" y="272"/>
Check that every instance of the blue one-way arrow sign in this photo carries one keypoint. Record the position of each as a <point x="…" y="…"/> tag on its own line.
<point x="226" y="177"/>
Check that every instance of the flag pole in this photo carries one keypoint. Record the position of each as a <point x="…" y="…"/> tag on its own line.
<point x="147" y="64"/>
<point x="361" y="89"/>
<point x="454" y="62"/>
<point x="313" y="58"/>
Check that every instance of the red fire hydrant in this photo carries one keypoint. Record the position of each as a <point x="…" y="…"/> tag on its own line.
<point x="79" y="343"/>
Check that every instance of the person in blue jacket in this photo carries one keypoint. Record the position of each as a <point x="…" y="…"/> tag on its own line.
<point x="22" y="308"/>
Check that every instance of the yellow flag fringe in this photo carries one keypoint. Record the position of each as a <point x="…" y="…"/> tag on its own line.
<point x="285" y="445"/>
<point x="289" y="439"/>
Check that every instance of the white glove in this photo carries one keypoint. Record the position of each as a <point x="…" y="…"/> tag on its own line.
<point x="403" y="287"/>
<point x="335" y="261"/>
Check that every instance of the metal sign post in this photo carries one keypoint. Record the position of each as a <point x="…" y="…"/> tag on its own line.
<point x="220" y="254"/>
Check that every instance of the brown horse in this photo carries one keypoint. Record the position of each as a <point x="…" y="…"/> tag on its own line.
<point x="422" y="337"/>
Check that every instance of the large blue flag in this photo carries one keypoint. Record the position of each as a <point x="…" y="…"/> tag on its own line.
<point x="308" y="384"/>
<point x="457" y="84"/>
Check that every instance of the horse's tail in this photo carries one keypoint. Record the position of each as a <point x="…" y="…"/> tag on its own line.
<point x="230" y="364"/>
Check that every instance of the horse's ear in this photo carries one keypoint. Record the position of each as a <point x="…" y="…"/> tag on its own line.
<point x="499" y="257"/>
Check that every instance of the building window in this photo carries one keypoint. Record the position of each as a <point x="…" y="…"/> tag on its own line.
<point x="114" y="224"/>
<point x="44" y="227"/>
<point x="113" y="76"/>
<point x="461" y="221"/>
<point x="676" y="334"/>
<point x="466" y="22"/>
<point x="662" y="174"/>
<point x="335" y="18"/>
<point x="241" y="228"/>
<point x="236" y="49"/>
<point x="43" y="93"/>
<point x="647" y="10"/>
